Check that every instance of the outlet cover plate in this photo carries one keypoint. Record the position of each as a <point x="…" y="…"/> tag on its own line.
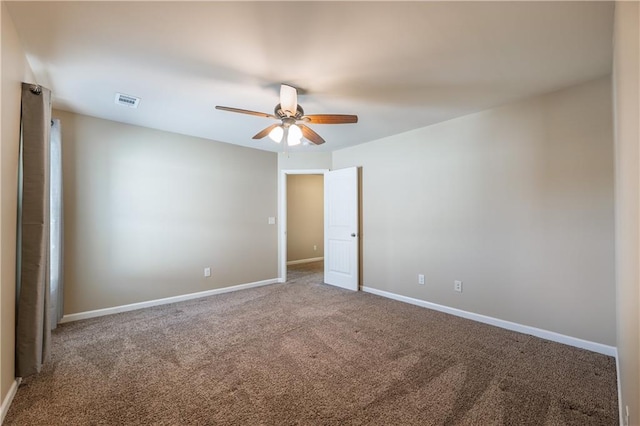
<point x="457" y="286"/>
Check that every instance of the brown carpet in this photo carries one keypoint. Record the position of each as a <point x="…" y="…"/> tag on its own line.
<point x="308" y="353"/>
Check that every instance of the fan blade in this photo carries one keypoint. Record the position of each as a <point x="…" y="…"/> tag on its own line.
<point x="288" y="99"/>
<point x="262" y="133"/>
<point x="311" y="135"/>
<point x="330" y="119"/>
<point x="246" y="111"/>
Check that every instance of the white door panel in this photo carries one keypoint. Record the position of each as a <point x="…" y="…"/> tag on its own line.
<point x="341" y="228"/>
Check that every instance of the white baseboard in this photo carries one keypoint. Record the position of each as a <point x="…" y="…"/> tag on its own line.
<point x="134" y="306"/>
<point x="544" y="334"/>
<point x="6" y="402"/>
<point x="622" y="414"/>
<point x="301" y="261"/>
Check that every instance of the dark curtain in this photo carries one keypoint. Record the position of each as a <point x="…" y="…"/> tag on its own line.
<point x="33" y="298"/>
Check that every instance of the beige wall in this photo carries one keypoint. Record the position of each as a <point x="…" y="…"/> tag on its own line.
<point x="627" y="141"/>
<point x="305" y="217"/>
<point x="304" y="160"/>
<point x="146" y="211"/>
<point x="517" y="202"/>
<point x="15" y="70"/>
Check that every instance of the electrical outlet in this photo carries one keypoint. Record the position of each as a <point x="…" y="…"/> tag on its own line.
<point x="315" y="247"/>
<point x="457" y="286"/>
<point x="421" y="279"/>
<point x="207" y="272"/>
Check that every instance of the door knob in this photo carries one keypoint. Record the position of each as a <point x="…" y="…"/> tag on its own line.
<point x="353" y="234"/>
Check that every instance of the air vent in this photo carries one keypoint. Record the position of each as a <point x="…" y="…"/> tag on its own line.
<point x="127" y="100"/>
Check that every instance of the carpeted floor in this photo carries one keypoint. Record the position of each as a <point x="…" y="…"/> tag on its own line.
<point x="307" y="353"/>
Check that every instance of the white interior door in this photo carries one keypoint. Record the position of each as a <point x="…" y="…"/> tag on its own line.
<point x="341" y="228"/>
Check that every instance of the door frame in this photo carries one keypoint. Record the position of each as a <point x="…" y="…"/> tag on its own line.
<point x="282" y="215"/>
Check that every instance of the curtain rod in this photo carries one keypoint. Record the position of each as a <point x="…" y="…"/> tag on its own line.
<point x="36" y="89"/>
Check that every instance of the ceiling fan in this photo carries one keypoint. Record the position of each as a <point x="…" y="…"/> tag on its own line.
<point x="292" y="127"/>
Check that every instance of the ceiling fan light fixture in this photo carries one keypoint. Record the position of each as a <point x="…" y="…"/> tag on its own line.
<point x="289" y="113"/>
<point x="276" y="134"/>
<point x="295" y="135"/>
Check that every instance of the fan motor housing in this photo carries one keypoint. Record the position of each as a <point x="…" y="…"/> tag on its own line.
<point x="278" y="112"/>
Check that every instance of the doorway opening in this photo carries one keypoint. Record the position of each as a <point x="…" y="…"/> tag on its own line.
<point x="305" y="224"/>
<point x="301" y="223"/>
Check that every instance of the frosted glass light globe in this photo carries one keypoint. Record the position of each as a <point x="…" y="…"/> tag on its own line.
<point x="295" y="135"/>
<point x="276" y="134"/>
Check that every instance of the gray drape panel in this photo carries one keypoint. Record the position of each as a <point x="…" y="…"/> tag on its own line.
<point x="32" y="325"/>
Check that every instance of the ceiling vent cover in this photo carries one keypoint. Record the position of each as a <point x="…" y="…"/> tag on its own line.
<point x="127" y="100"/>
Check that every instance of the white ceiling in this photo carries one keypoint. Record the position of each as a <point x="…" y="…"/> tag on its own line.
<point x="398" y="66"/>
